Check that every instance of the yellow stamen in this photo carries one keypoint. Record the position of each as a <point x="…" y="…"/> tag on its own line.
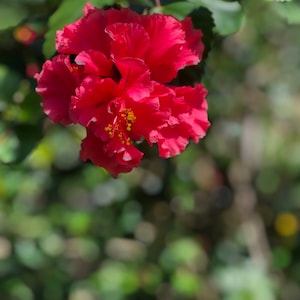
<point x="121" y="123"/>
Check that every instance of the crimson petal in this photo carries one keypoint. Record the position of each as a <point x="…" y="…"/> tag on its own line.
<point x="56" y="84"/>
<point x="94" y="149"/>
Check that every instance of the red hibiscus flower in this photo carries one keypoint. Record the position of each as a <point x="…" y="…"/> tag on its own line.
<point x="110" y="76"/>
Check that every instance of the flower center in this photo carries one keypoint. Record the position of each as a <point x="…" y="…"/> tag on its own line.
<point x="121" y="126"/>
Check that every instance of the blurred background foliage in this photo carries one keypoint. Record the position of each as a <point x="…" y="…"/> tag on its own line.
<point x="220" y="221"/>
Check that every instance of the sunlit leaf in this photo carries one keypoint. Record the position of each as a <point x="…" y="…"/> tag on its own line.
<point x="68" y="12"/>
<point x="8" y="144"/>
<point x="78" y="222"/>
<point x="29" y="254"/>
<point x="186" y="283"/>
<point x="228" y="16"/>
<point x="290" y="11"/>
<point x="180" y="9"/>
<point x="184" y="251"/>
<point x="115" y="278"/>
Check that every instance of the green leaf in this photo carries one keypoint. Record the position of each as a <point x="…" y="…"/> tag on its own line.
<point x="11" y="15"/>
<point x="228" y="16"/>
<point x="28" y="136"/>
<point x="8" y="144"/>
<point x="289" y="11"/>
<point x="68" y="12"/>
<point x="9" y="83"/>
<point x="186" y="283"/>
<point x="180" y="9"/>
<point x="30" y="109"/>
<point x="17" y="141"/>
<point x="184" y="252"/>
<point x="62" y="16"/>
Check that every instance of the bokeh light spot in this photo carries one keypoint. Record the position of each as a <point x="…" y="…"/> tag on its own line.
<point x="286" y="224"/>
<point x="24" y="35"/>
<point x="267" y="181"/>
<point x="281" y="257"/>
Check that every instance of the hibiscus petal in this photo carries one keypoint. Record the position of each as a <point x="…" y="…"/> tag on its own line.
<point x="96" y="63"/>
<point x="92" y="99"/>
<point x="197" y="123"/>
<point x="167" y="38"/>
<point x="170" y="142"/>
<point x="192" y="50"/>
<point x="188" y="120"/>
<point x="135" y="76"/>
<point x="56" y="84"/>
<point x="89" y="31"/>
<point x="151" y="112"/>
<point x="126" y="154"/>
<point x="94" y="149"/>
<point x="129" y="40"/>
<point x="84" y="34"/>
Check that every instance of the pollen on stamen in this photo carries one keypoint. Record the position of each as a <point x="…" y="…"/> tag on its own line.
<point x="109" y="130"/>
<point x="128" y="141"/>
<point x="129" y="118"/>
<point x="128" y="128"/>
